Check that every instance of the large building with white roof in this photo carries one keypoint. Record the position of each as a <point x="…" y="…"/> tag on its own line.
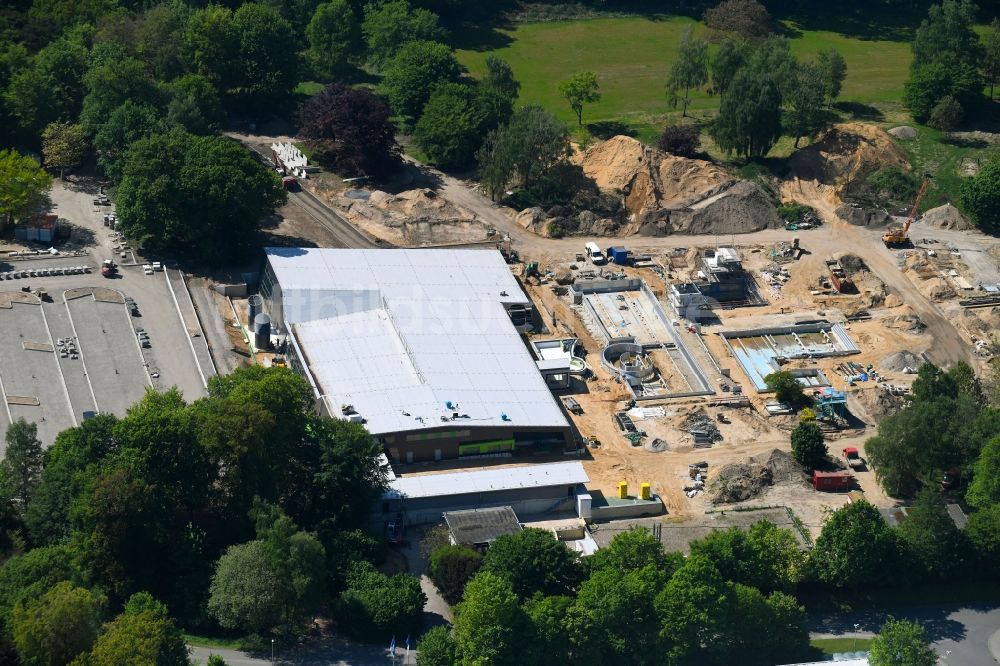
<point x="420" y="345"/>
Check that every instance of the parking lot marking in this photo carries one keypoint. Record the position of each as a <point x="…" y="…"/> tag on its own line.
<point x="62" y="377"/>
<point x="187" y="333"/>
<point x="135" y="337"/>
<point x="83" y="358"/>
<point x="3" y="391"/>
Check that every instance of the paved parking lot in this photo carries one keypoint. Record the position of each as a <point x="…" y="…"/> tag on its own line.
<point x="108" y="346"/>
<point x="29" y="371"/>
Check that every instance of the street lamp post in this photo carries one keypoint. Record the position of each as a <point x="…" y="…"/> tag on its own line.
<point x="857" y="627"/>
<point x="272" y="652"/>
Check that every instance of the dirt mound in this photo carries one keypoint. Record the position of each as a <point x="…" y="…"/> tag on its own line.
<point x="906" y="320"/>
<point x="875" y="404"/>
<point x="937" y="289"/>
<point x="862" y="217"/>
<point x="412" y="217"/>
<point x="945" y="217"/>
<point x="737" y="482"/>
<point x="665" y="194"/>
<point x="852" y="263"/>
<point x="893" y="301"/>
<point x="904" y="132"/>
<point x="900" y="360"/>
<point x="847" y="151"/>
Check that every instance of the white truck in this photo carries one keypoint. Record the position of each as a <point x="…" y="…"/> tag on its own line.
<point x="594" y="253"/>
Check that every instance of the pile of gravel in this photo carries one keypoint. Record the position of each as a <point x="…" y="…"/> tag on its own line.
<point x="904" y="132"/>
<point x="901" y="359"/>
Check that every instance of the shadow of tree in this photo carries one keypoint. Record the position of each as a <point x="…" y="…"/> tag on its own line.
<point x="605" y="129"/>
<point x="859" y="111"/>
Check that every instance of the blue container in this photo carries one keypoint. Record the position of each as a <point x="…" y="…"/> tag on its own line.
<point x="619" y="255"/>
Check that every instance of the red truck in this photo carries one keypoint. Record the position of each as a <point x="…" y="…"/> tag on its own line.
<point x="853" y="458"/>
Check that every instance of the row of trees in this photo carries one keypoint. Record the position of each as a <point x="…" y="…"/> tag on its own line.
<point x="241" y="510"/>
<point x="764" y="90"/>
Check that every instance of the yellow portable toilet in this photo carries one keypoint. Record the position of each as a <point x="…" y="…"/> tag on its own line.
<point x="623" y="490"/>
<point x="644" y="491"/>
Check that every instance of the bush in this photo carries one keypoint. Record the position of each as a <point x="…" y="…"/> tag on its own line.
<point x="808" y="447"/>
<point x="947" y="114"/>
<point x="980" y="194"/>
<point x="747" y="18"/>
<point x="450" y="568"/>
<point x="794" y="212"/>
<point x="893" y="183"/>
<point x="375" y="605"/>
<point x="786" y="388"/>
<point x="682" y="140"/>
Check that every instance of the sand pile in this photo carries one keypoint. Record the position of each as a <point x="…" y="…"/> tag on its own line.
<point x="737" y="482"/>
<point x="893" y="301"/>
<point x="937" y="289"/>
<point x="945" y="217"/>
<point x="904" y="132"/>
<point x="875" y="404"/>
<point x="422" y="204"/>
<point x="905" y="320"/>
<point x="901" y="359"/>
<point x="846" y="151"/>
<point x="412" y="217"/>
<point x="665" y="194"/>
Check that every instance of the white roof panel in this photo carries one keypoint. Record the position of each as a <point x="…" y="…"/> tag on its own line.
<point x="487" y="480"/>
<point x="428" y="326"/>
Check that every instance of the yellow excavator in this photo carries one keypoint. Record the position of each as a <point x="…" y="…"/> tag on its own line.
<point x="895" y="236"/>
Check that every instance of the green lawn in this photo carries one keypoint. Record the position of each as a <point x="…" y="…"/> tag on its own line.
<point x="835" y="645"/>
<point x="632" y="57"/>
<point x="930" y="153"/>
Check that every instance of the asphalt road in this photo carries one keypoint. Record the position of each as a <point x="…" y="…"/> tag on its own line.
<point x="962" y="635"/>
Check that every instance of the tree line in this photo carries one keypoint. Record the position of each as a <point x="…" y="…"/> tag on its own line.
<point x="242" y="511"/>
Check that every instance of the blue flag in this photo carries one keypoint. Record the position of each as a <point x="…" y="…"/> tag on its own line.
<point x="392" y="646"/>
<point x="407" y="644"/>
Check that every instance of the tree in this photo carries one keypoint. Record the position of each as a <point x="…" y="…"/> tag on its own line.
<point x="947" y="114"/>
<point x="412" y="74"/>
<point x="210" y="45"/>
<point x="932" y="536"/>
<point x="680" y="140"/>
<point x="449" y="129"/>
<point x="977" y="194"/>
<point x="533" y="560"/>
<point x="808" y="447"/>
<point x="142" y="634"/>
<point x="57" y="626"/>
<point x="245" y="592"/>
<point x="855" y="549"/>
<point x="749" y="120"/>
<point x="804" y="116"/>
<point x="833" y="70"/>
<point x="21" y="468"/>
<point x="983" y="530"/>
<point x="746" y="18"/>
<point x="265" y="68"/>
<point x="23" y="185"/>
<point x="490" y="626"/>
<point x="25" y="578"/>
<point x="334" y="36"/>
<point x="946" y="58"/>
<point x="690" y="70"/>
<point x="216" y="660"/>
<point x="785" y="386"/>
<point x="51" y="90"/>
<point x="578" y="90"/>
<point x="497" y="92"/>
<point x="549" y="617"/>
<point x="524" y="149"/>
<point x="167" y="176"/>
<point x="350" y="130"/>
<point x="63" y="146"/>
<point x="112" y="84"/>
<point x="194" y="104"/>
<point x="614" y="616"/>
<point x="765" y="556"/>
<point x="390" y="24"/>
<point x="436" y="647"/>
<point x="156" y="40"/>
<point x="984" y="491"/>
<point x="728" y="59"/>
<point x="122" y="128"/>
<point x="901" y="643"/>
<point x="375" y="605"/>
<point x="991" y="55"/>
<point x="633" y="549"/>
<point x="450" y="568"/>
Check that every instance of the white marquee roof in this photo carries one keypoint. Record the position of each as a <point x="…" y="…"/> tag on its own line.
<point x="487" y="480"/>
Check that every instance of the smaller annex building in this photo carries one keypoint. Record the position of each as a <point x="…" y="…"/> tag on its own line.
<point x="421" y="346"/>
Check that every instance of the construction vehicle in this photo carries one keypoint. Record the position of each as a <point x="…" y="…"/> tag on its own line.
<point x="853" y="458"/>
<point x="109" y="268"/>
<point x="895" y="236"/>
<point x="839" y="278"/>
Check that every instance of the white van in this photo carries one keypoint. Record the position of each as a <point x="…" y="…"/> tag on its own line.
<point x="594" y="253"/>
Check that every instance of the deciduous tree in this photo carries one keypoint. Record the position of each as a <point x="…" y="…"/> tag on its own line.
<point x="450" y="128"/>
<point x="57" y="626"/>
<point x="855" y="549"/>
<point x="681" y="140"/>
<point x="142" y="634"/>
<point x="747" y="18"/>
<point x="984" y="491"/>
<point x="947" y="114"/>
<point x="412" y="74"/>
<point x="375" y="605"/>
<point x="21" y="468"/>
<point x="451" y="568"/>
<point x="23" y="185"/>
<point x="689" y="71"/>
<point x="334" y="37"/>
<point x="833" y="70"/>
<point x="786" y="388"/>
<point x="901" y="642"/>
<point x="578" y="90"/>
<point x="265" y="69"/>
<point x="749" y="120"/>
<point x="932" y="536"/>
<point x="63" y="146"/>
<point x="808" y="446"/>
<point x="524" y="149"/>
<point x="804" y="115"/>
<point x="436" y="647"/>
<point x="991" y="55"/>
<point x="727" y="60"/>
<point x="977" y="194"/>
<point x="533" y="560"/>
<point x="390" y="24"/>
<point x="490" y="626"/>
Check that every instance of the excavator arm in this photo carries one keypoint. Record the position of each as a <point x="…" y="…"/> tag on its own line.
<point x="898" y="235"/>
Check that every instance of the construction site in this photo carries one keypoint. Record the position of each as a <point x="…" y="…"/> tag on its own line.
<point x="657" y="345"/>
